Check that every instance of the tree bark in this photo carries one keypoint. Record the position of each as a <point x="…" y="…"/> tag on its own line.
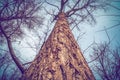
<point x="60" y="57"/>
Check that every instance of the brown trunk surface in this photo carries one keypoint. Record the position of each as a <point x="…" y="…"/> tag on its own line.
<point x="60" y="57"/>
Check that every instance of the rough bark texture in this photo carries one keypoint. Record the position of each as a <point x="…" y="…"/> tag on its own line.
<point x="60" y="57"/>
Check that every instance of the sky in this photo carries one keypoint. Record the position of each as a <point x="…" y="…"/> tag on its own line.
<point x="94" y="32"/>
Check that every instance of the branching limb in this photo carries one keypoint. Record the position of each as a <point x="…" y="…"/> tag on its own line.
<point x="74" y="10"/>
<point x="12" y="53"/>
<point x="52" y="4"/>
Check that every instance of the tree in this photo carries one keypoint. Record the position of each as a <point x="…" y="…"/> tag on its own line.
<point x="60" y="54"/>
<point x="8" y="69"/>
<point x="60" y="57"/>
<point x="14" y="14"/>
<point x="108" y="62"/>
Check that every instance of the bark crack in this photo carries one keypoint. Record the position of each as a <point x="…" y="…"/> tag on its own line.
<point x="63" y="73"/>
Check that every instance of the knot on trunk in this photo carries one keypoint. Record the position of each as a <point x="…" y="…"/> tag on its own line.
<point x="61" y="15"/>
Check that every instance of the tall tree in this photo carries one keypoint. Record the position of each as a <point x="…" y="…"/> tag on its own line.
<point x="60" y="57"/>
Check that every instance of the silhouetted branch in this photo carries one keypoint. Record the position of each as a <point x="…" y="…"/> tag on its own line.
<point x="13" y="15"/>
<point x="73" y="10"/>
<point x="27" y="63"/>
<point x="52" y="4"/>
<point x="116" y="25"/>
<point x="105" y="46"/>
<point x="113" y="6"/>
<point x="108" y="63"/>
<point x="63" y="2"/>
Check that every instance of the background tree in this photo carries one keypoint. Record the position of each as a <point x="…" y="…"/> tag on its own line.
<point x="15" y="15"/>
<point x="107" y="62"/>
<point x="7" y="68"/>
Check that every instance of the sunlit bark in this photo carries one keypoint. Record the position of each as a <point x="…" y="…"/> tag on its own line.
<point x="60" y="57"/>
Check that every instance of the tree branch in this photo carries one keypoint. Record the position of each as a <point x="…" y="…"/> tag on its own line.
<point x="12" y="53"/>
<point x="63" y="2"/>
<point x="73" y="10"/>
<point x="52" y="5"/>
<point x="14" y="18"/>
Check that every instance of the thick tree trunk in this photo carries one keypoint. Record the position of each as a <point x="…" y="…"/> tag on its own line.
<point x="60" y="57"/>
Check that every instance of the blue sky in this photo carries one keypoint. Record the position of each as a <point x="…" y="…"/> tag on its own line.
<point x="92" y="32"/>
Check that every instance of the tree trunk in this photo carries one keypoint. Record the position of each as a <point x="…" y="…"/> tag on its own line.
<point x="60" y="57"/>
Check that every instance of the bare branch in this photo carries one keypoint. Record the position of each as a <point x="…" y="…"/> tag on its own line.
<point x="107" y="36"/>
<point x="113" y="6"/>
<point x="27" y="63"/>
<point x="52" y="5"/>
<point x="63" y="2"/>
<point x="73" y="10"/>
<point x="116" y="25"/>
<point x="89" y="13"/>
